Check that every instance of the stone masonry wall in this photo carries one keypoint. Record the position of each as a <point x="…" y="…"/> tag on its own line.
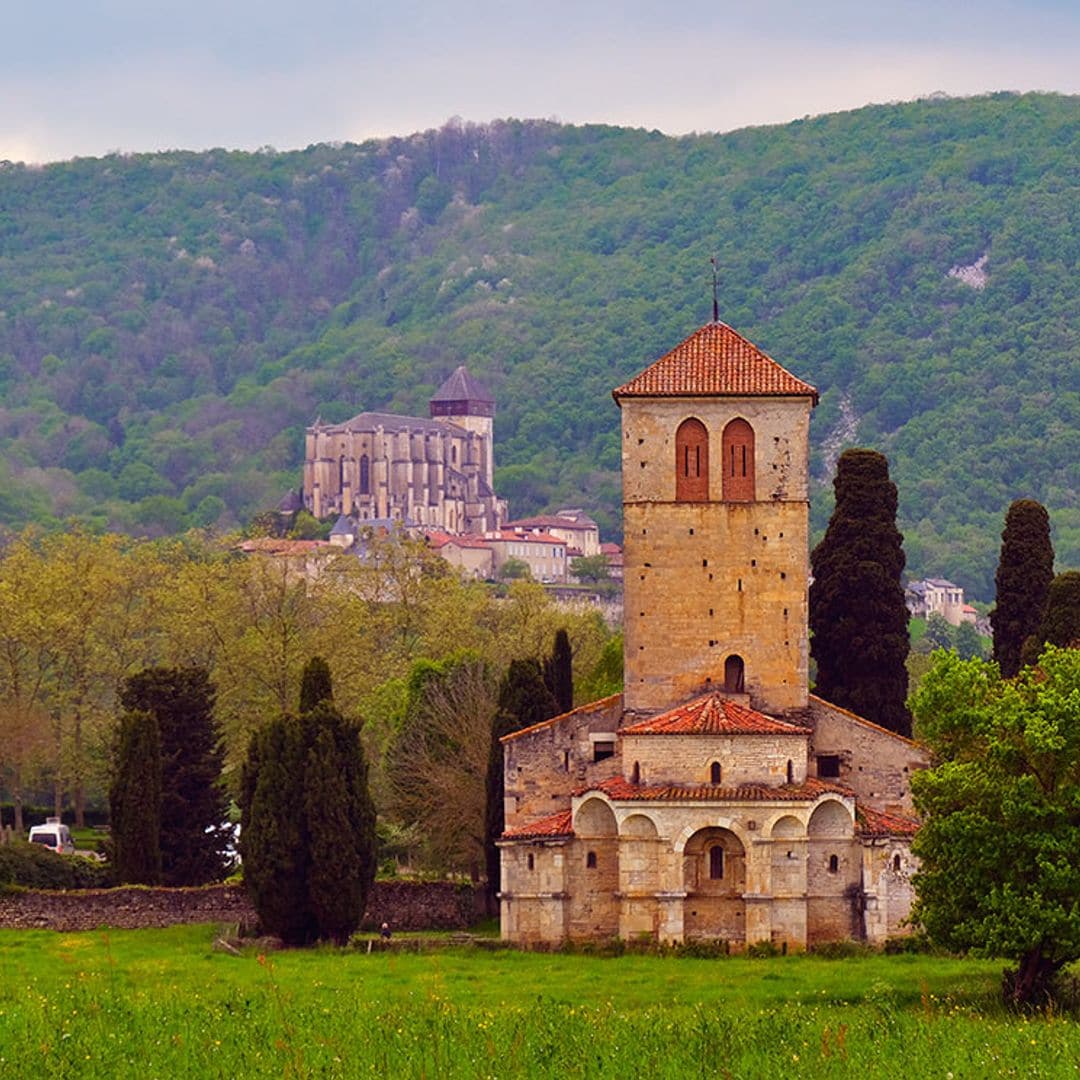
<point x="405" y="905"/>
<point x="686" y="759"/>
<point x="875" y="763"/>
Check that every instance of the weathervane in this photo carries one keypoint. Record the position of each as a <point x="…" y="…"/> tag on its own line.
<point x="715" y="296"/>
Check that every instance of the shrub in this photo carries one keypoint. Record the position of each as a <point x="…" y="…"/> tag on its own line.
<point x="30" y="866"/>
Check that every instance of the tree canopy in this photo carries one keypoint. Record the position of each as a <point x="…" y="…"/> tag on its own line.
<point x="172" y="321"/>
<point x="1025" y="569"/>
<point x="1001" y="825"/>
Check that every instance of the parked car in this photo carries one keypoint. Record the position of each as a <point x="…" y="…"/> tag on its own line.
<point x="54" y="835"/>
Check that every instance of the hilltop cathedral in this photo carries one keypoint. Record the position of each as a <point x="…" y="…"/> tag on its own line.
<point x="432" y="473"/>
<point x="715" y="797"/>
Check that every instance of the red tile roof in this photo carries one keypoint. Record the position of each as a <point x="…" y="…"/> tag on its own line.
<point x="556" y="825"/>
<point x="713" y="715"/>
<point x="509" y="536"/>
<point x="715" y="361"/>
<point x="878" y="823"/>
<point x="621" y="790"/>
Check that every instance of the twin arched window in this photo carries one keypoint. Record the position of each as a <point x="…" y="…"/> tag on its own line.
<point x="692" y="462"/>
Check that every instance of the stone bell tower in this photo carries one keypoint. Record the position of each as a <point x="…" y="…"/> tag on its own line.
<point x="468" y="403"/>
<point x="716" y="531"/>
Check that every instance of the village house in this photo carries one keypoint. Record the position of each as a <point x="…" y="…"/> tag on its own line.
<point x="936" y="596"/>
<point x="715" y="798"/>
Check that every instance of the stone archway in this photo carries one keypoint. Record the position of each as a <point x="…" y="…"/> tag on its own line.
<point x="592" y="876"/>
<point x="833" y="875"/>
<point x="639" y="877"/>
<point x="714" y="877"/>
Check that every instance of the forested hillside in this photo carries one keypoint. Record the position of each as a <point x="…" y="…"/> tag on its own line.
<point x="169" y="323"/>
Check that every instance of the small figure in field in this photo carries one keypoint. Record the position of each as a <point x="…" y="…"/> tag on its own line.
<point x="384" y="931"/>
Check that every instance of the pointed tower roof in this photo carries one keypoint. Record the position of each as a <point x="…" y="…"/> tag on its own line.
<point x="715" y="361"/>
<point x="461" y="386"/>
<point x="713" y="714"/>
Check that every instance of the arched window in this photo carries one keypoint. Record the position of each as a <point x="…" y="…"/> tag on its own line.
<point x="896" y="863"/>
<point x="635" y="775"/>
<point x="714" y="773"/>
<point x="790" y="772"/>
<point x="365" y="475"/>
<point x="716" y="862"/>
<point x="737" y="448"/>
<point x="590" y="860"/>
<point x="834" y="863"/>
<point x="734" y="675"/>
<point x="341" y="473"/>
<point x="691" y="462"/>
<point x="529" y="862"/>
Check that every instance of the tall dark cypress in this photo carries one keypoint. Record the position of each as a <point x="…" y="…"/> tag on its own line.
<point x="193" y="802"/>
<point x="559" y="671"/>
<point x="1025" y="570"/>
<point x="135" y="801"/>
<point x="524" y="699"/>
<point x="315" y="684"/>
<point x="1060" y="623"/>
<point x="308" y="835"/>
<point x="858" y="615"/>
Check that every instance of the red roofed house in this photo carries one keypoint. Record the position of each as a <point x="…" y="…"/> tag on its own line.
<point x="575" y="527"/>
<point x="545" y="555"/>
<point x="715" y="798"/>
<point x="471" y="555"/>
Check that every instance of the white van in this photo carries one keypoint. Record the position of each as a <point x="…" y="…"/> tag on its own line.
<point x="53" y="835"/>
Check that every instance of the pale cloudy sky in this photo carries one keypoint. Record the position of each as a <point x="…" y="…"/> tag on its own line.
<point x="87" y="77"/>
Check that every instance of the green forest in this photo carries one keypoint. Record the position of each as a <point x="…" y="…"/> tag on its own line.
<point x="171" y="322"/>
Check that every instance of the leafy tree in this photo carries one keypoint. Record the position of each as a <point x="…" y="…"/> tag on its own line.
<point x="967" y="642"/>
<point x="1025" y="570"/>
<point x="858" y="614"/>
<point x="591" y="568"/>
<point x="193" y="805"/>
<point x="513" y="570"/>
<point x="439" y="758"/>
<point x="135" y="801"/>
<point x="999" y="873"/>
<point x="308" y="826"/>
<point x="938" y="631"/>
<point x="559" y="672"/>
<point x="1060" y="623"/>
<point x="606" y="676"/>
<point x="524" y="699"/>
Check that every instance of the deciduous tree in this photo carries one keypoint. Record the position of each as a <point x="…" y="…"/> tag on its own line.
<point x="858" y="615"/>
<point x="999" y="873"/>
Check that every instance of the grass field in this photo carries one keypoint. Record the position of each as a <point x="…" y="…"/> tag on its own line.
<point x="162" y="1003"/>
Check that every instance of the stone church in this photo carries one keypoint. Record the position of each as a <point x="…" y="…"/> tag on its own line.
<point x="433" y="473"/>
<point x="715" y="798"/>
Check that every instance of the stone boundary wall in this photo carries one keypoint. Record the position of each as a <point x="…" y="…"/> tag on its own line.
<point x="405" y="905"/>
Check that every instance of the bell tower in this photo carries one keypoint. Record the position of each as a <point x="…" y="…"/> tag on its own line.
<point x="464" y="400"/>
<point x="715" y="461"/>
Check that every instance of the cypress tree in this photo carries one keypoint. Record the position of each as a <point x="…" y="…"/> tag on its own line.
<point x="135" y="801"/>
<point x="559" y="672"/>
<point x="1025" y="570"/>
<point x="308" y="825"/>
<point x="193" y="803"/>
<point x="1060" y="623"/>
<point x="315" y="684"/>
<point x="858" y="615"/>
<point x="524" y="699"/>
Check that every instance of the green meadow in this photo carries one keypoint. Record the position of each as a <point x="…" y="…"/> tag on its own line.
<point x="164" y="1003"/>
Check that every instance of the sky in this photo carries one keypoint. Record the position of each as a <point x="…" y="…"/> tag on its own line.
<point x="91" y="77"/>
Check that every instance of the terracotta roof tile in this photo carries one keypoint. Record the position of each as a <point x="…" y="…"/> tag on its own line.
<point x="621" y="790"/>
<point x="713" y="715"/>
<point x="556" y="825"/>
<point x="715" y="361"/>
<point x="878" y="823"/>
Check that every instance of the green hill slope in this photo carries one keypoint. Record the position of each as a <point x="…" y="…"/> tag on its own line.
<point x="171" y="322"/>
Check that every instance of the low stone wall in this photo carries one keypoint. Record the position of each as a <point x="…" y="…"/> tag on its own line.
<point x="405" y="905"/>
